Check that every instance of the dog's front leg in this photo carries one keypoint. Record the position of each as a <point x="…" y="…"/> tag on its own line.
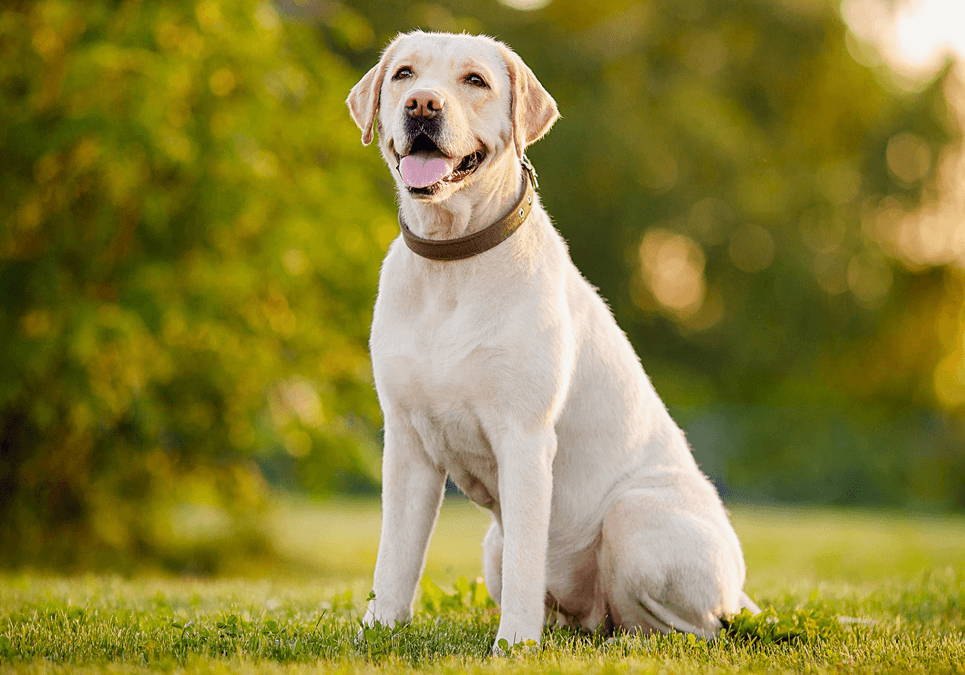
<point x="412" y="490"/>
<point x="525" y="490"/>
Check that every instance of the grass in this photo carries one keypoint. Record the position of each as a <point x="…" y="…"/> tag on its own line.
<point x="844" y="592"/>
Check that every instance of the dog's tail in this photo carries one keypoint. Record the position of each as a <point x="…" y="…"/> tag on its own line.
<point x="746" y="601"/>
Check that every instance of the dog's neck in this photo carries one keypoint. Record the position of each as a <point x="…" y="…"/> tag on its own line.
<point x="470" y="209"/>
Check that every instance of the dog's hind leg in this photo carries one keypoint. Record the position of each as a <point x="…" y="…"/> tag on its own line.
<point x="746" y="601"/>
<point x="670" y="564"/>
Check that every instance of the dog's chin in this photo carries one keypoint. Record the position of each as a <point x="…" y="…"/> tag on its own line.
<point x="437" y="192"/>
<point x="432" y="193"/>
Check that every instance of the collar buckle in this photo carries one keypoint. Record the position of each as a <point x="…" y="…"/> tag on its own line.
<point x="531" y="170"/>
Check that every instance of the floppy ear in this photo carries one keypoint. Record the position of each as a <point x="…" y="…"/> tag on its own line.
<point x="363" y="100"/>
<point x="533" y="110"/>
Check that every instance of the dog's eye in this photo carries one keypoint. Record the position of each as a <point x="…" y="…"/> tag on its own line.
<point x="476" y="80"/>
<point x="402" y="73"/>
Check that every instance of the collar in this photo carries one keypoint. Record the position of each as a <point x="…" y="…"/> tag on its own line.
<point x="483" y="240"/>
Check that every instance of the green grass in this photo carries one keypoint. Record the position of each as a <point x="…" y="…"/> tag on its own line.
<point x="844" y="592"/>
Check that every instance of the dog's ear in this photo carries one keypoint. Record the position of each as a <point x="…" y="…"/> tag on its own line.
<point x="363" y="100"/>
<point x="533" y="109"/>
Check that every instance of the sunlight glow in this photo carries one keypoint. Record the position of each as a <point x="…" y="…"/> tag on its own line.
<point x="916" y="38"/>
<point x="526" y="5"/>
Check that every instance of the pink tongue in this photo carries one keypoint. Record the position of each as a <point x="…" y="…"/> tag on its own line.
<point x="422" y="170"/>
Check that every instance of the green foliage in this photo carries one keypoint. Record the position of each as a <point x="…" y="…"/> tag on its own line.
<point x="467" y="596"/>
<point x="809" y="625"/>
<point x="187" y="260"/>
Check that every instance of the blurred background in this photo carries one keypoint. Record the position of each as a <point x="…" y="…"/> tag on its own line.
<point x="769" y="193"/>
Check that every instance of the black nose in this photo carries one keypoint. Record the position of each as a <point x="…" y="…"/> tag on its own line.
<point x="424" y="103"/>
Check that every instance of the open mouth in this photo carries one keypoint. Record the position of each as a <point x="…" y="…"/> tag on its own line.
<point x="425" y="169"/>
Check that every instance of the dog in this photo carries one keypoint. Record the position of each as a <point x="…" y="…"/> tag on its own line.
<point x="498" y="365"/>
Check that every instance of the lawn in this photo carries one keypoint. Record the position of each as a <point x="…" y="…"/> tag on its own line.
<point x="843" y="592"/>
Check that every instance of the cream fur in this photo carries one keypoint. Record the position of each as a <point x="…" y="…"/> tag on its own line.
<point x="508" y="373"/>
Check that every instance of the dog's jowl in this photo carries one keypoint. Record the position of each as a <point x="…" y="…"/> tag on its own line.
<point x="498" y="365"/>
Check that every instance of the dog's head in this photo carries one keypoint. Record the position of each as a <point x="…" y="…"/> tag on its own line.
<point x="446" y="106"/>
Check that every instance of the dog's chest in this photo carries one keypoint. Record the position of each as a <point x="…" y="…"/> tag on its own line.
<point x="438" y="356"/>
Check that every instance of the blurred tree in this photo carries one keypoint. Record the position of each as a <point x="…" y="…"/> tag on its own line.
<point x="188" y="254"/>
<point x="191" y="234"/>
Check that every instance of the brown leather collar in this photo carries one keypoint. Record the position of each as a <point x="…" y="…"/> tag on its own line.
<point x="481" y="241"/>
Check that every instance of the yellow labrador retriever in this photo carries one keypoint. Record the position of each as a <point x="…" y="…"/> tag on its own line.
<point x="498" y="365"/>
